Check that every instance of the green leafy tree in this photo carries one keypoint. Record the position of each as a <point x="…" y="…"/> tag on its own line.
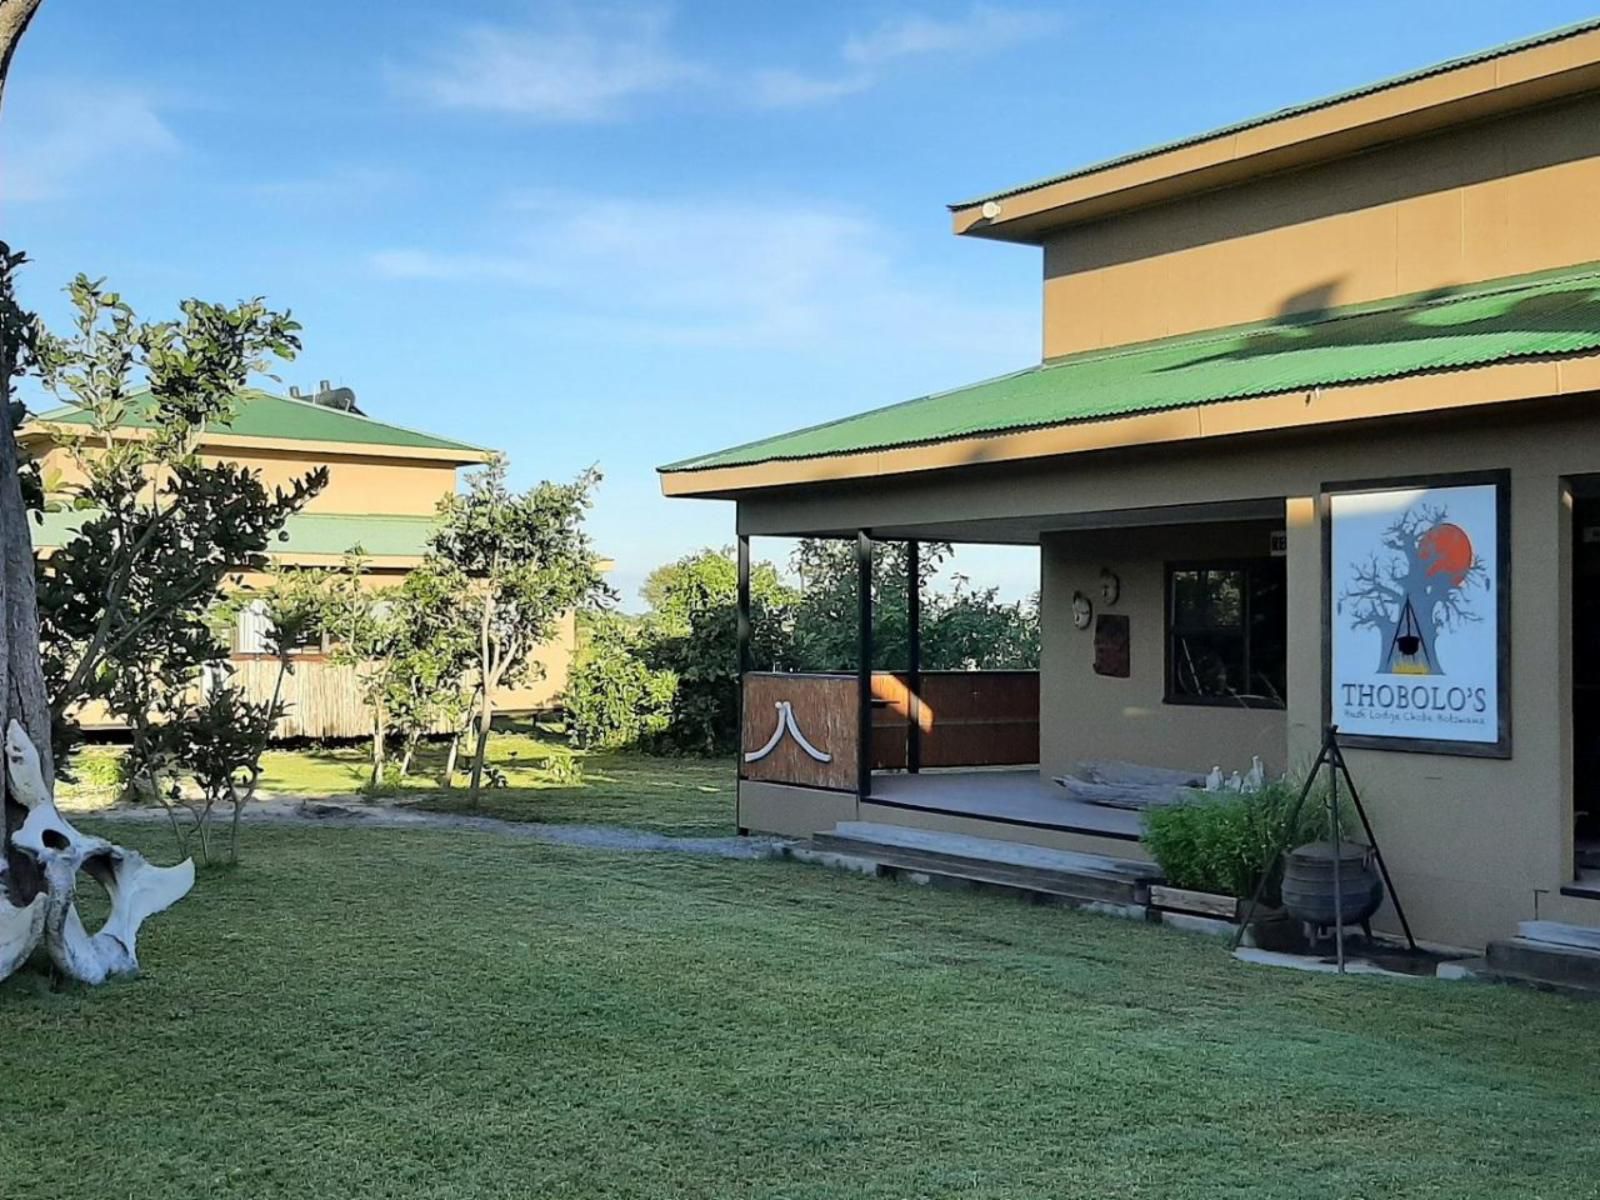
<point x="526" y="559"/>
<point x="368" y="636"/>
<point x="614" y="698"/>
<point x="826" y="615"/>
<point x="425" y="688"/>
<point x="218" y="742"/>
<point x="123" y="603"/>
<point x="692" y="632"/>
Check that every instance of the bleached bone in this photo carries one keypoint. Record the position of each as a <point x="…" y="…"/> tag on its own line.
<point x="137" y="889"/>
<point x="22" y="765"/>
<point x="20" y="930"/>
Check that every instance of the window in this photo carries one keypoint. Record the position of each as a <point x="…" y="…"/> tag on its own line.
<point x="1226" y="640"/>
<point x="253" y="634"/>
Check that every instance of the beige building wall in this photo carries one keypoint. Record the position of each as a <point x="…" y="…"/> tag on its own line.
<point x="1478" y="202"/>
<point x="1088" y="716"/>
<point x="361" y="484"/>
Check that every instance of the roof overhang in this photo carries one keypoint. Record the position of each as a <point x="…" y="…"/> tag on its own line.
<point x="215" y="441"/>
<point x="1438" y="391"/>
<point x="1541" y="70"/>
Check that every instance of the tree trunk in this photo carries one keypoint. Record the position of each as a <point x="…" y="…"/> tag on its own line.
<point x="22" y="693"/>
<point x="378" y="724"/>
<point x="485" y="718"/>
<point x="21" y="673"/>
<point x="448" y="779"/>
<point x="14" y="18"/>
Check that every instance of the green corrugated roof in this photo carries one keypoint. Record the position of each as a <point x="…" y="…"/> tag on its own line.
<point x="1553" y="312"/>
<point x="1540" y="39"/>
<point x="264" y="415"/>
<point x="305" y="533"/>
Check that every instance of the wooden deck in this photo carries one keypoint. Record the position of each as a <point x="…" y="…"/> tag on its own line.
<point x="1010" y="797"/>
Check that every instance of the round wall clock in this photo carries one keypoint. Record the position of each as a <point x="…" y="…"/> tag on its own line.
<point x="1082" y="610"/>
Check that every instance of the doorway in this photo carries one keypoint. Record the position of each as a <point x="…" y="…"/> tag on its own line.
<point x="1586" y="685"/>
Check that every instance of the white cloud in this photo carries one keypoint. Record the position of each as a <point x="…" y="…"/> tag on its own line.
<point x="781" y="88"/>
<point x="339" y="186"/>
<point x="571" y="68"/>
<point x="600" y="62"/>
<point x="984" y="29"/>
<point x="59" y="138"/>
<point x="780" y="275"/>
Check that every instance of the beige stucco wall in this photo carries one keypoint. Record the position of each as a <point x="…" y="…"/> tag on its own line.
<point x="1089" y="716"/>
<point x="1477" y="202"/>
<point x="360" y="484"/>
<point x="1470" y="840"/>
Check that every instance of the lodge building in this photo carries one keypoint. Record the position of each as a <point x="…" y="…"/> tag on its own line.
<point x="1314" y="439"/>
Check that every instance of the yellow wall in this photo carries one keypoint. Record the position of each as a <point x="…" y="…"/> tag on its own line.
<point x="1516" y="194"/>
<point x="1129" y="717"/>
<point x="360" y="484"/>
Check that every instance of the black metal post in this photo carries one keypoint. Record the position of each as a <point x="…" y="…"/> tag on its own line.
<point x="913" y="657"/>
<point x="864" y="664"/>
<point x="743" y="627"/>
<point x="742" y="638"/>
<point x="1338" y="862"/>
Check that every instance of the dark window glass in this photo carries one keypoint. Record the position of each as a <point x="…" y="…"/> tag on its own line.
<point x="1226" y="633"/>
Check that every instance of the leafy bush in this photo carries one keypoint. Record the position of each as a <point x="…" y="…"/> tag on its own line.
<point x="1221" y="842"/>
<point x="102" y="770"/>
<point x="614" y="699"/>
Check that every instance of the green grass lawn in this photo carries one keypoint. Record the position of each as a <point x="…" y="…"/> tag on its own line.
<point x="674" y="796"/>
<point x="376" y="1013"/>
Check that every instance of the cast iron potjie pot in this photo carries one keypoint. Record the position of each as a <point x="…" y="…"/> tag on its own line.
<point x="1308" y="884"/>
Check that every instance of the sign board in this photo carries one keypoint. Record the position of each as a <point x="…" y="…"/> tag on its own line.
<point x="1416" y="638"/>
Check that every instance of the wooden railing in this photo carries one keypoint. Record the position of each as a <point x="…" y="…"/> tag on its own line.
<point x="802" y="729"/>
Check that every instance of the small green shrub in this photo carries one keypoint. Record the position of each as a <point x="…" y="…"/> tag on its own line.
<point x="102" y="770"/>
<point x="1221" y="842"/>
<point x="564" y="770"/>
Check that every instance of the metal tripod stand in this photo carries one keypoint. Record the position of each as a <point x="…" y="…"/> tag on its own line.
<point x="1331" y="756"/>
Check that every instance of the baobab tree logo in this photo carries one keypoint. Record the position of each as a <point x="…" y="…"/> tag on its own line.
<point x="1418" y="586"/>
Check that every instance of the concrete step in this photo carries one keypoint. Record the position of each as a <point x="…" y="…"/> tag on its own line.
<point x="1528" y="961"/>
<point x="1063" y="873"/>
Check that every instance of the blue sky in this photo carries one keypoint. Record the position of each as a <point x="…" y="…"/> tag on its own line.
<point x="626" y="233"/>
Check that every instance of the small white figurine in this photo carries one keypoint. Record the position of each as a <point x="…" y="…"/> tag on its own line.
<point x="1256" y="777"/>
<point x="1214" y="780"/>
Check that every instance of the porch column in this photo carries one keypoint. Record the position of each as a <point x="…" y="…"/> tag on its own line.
<point x="1303" y="570"/>
<point x="864" y="664"/>
<point x="742" y="639"/>
<point x="743" y="626"/>
<point x="914" y="656"/>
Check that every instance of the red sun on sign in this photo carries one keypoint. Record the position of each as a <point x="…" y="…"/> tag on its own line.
<point x="1446" y="550"/>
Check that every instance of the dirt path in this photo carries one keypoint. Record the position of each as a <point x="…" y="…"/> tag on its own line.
<point x="293" y="810"/>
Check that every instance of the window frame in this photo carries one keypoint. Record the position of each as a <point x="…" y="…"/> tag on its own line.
<point x="1249" y="566"/>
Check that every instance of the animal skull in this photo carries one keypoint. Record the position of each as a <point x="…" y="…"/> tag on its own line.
<point x="137" y="889"/>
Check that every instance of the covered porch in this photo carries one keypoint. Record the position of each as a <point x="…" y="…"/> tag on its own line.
<point x="1126" y="673"/>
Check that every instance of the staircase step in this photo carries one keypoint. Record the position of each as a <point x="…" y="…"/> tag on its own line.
<point x="1526" y="960"/>
<point x="1066" y="873"/>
